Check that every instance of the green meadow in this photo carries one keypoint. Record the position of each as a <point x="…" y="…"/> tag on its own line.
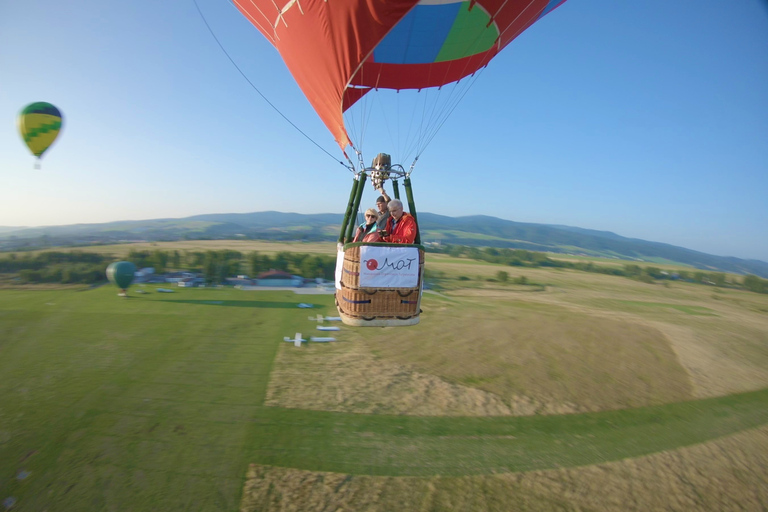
<point x="192" y="400"/>
<point x="144" y="403"/>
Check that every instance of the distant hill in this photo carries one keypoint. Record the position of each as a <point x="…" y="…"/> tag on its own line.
<point x="476" y="230"/>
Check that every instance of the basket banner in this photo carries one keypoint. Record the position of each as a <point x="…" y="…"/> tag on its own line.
<point x="389" y="267"/>
<point x="339" y="267"/>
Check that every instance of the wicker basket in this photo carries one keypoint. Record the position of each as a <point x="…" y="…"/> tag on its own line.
<point x="376" y="306"/>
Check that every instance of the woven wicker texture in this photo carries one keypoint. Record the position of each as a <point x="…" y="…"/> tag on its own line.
<point x="375" y="303"/>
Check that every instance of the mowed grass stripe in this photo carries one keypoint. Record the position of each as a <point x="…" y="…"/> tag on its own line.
<point x="423" y="446"/>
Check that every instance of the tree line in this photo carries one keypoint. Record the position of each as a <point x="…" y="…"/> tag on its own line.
<point x="73" y="267"/>
<point x="218" y="265"/>
<point x="647" y="274"/>
<point x="77" y="267"/>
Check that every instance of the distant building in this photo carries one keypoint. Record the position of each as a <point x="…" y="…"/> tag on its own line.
<point x="190" y="282"/>
<point x="175" y="277"/>
<point x="238" y="281"/>
<point x="278" y="278"/>
<point x="143" y="275"/>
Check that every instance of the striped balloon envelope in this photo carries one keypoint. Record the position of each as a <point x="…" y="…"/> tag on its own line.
<point x="338" y="51"/>
<point x="39" y="125"/>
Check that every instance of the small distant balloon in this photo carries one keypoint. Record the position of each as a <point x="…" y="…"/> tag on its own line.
<point x="39" y="125"/>
<point x="120" y="273"/>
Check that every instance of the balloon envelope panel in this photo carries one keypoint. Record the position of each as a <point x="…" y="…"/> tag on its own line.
<point x="121" y="273"/>
<point x="437" y="33"/>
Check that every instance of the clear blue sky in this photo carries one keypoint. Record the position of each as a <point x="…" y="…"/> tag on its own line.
<point x="646" y="118"/>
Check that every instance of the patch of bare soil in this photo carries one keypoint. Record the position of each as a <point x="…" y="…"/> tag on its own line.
<point x="713" y="371"/>
<point x="722" y="354"/>
<point x="529" y="359"/>
<point x="721" y="475"/>
<point x="563" y="360"/>
<point x="347" y="377"/>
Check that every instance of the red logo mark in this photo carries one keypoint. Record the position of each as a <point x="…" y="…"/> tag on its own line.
<point x="372" y="264"/>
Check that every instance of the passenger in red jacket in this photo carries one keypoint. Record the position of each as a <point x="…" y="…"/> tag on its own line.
<point x="401" y="226"/>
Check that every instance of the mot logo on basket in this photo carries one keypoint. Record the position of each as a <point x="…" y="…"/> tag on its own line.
<point x="404" y="264"/>
<point x="389" y="267"/>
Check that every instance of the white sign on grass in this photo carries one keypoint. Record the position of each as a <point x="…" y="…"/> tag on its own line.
<point x="389" y="267"/>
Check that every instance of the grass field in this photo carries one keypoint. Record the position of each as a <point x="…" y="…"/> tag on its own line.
<point x="589" y="392"/>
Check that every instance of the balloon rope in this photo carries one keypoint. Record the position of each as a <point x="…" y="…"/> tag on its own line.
<point x="257" y="90"/>
<point x="438" y="116"/>
<point x="448" y="110"/>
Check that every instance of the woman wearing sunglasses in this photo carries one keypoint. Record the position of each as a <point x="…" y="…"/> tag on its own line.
<point x="366" y="232"/>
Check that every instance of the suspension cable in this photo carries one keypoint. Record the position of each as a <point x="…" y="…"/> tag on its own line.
<point x="258" y="91"/>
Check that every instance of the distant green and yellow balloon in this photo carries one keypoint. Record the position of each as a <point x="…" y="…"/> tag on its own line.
<point x="39" y="125"/>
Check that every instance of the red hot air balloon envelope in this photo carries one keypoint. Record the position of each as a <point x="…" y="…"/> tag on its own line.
<point x="339" y="50"/>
